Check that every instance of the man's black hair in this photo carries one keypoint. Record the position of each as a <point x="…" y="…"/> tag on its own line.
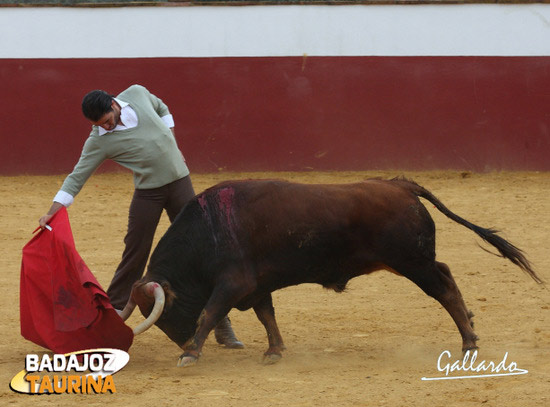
<point x="95" y="104"/>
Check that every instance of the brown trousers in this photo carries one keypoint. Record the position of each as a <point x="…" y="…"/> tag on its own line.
<point x="145" y="211"/>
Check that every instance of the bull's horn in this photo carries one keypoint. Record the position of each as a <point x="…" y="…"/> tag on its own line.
<point x="155" y="314"/>
<point x="127" y="311"/>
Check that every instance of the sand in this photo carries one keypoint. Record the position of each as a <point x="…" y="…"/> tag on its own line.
<point x="368" y="346"/>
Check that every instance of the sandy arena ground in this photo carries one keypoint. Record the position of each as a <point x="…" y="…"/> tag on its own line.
<point x="369" y="346"/>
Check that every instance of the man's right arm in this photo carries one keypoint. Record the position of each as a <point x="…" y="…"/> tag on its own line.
<point x="91" y="158"/>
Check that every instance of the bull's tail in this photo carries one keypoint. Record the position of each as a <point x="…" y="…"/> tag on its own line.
<point x="505" y="248"/>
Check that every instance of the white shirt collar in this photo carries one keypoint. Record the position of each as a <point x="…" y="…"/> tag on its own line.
<point x="121" y="103"/>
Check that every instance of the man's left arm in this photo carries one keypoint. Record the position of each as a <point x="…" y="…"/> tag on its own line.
<point x="160" y="107"/>
<point x="162" y="110"/>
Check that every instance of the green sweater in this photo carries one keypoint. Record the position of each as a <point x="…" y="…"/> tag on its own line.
<point x="149" y="150"/>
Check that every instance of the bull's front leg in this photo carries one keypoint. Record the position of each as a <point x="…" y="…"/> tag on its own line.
<point x="208" y="319"/>
<point x="266" y="314"/>
<point x="225" y="295"/>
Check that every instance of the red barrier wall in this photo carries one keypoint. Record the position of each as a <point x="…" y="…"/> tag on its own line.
<point x="295" y="113"/>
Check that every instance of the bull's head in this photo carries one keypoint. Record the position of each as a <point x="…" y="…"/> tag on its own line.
<point x="158" y="303"/>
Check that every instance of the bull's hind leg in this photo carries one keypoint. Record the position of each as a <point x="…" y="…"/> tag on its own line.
<point x="266" y="314"/>
<point x="438" y="282"/>
<point x="443" y="268"/>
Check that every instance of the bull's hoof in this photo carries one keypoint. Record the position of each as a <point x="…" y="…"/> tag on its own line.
<point x="187" y="360"/>
<point x="470" y="348"/>
<point x="271" y="358"/>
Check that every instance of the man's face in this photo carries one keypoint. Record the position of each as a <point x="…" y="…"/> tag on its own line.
<point x="110" y="119"/>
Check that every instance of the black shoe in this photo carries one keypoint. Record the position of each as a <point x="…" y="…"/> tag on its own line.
<point x="225" y="336"/>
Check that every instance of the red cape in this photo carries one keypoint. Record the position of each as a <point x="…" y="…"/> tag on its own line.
<point x="63" y="307"/>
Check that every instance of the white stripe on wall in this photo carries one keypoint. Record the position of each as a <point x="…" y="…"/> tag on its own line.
<point x="361" y="30"/>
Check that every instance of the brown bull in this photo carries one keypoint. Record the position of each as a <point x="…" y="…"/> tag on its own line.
<point x="237" y="242"/>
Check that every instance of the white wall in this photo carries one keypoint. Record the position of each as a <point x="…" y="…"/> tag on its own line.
<point x="390" y="30"/>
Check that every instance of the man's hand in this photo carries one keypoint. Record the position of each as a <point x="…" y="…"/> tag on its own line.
<point x="43" y="221"/>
